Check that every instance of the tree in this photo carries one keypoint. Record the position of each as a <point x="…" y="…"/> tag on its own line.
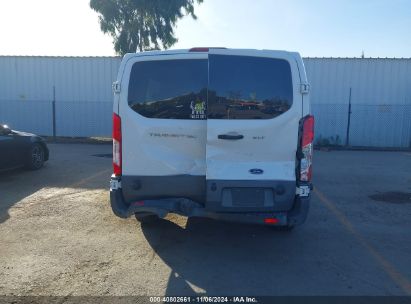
<point x="142" y="24"/>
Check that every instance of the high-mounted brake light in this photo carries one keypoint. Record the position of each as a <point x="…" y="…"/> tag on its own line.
<point x="203" y="49"/>
<point x="306" y="145"/>
<point x="199" y="49"/>
<point x="116" y="145"/>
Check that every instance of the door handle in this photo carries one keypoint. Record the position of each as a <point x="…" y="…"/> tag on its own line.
<point x="231" y="136"/>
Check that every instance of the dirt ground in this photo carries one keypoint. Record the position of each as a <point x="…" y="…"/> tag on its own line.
<point x="58" y="235"/>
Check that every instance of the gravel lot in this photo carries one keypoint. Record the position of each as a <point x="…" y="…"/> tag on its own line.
<point x="59" y="237"/>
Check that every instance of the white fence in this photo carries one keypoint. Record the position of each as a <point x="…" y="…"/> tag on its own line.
<point x="81" y="88"/>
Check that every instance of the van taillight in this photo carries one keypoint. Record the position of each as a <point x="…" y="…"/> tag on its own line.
<point x="116" y="144"/>
<point x="306" y="146"/>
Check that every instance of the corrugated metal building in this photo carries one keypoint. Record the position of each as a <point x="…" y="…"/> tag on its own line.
<point x="380" y="98"/>
<point x="81" y="87"/>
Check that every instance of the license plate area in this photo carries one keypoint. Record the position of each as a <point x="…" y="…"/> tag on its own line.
<point x="247" y="197"/>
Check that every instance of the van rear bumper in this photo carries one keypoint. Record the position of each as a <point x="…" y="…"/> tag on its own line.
<point x="296" y="216"/>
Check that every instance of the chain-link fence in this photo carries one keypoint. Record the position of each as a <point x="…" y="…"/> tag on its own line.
<point x="29" y="116"/>
<point x="84" y="119"/>
<point x="68" y="118"/>
<point x="385" y="126"/>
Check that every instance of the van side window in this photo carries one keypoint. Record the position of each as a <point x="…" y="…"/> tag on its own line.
<point x="243" y="87"/>
<point x="173" y="89"/>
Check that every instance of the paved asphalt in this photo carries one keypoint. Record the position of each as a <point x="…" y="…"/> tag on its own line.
<point x="59" y="236"/>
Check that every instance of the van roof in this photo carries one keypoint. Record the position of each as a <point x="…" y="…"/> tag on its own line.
<point x="205" y="50"/>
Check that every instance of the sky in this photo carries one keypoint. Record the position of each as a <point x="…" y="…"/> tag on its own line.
<point x="315" y="28"/>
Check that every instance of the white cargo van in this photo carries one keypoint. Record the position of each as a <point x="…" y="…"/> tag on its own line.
<point x="213" y="132"/>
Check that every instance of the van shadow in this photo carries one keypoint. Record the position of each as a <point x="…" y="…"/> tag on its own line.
<point x="219" y="258"/>
<point x="70" y="166"/>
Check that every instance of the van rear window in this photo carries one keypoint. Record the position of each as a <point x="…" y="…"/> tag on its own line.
<point x="243" y="87"/>
<point x="174" y="89"/>
<point x="222" y="87"/>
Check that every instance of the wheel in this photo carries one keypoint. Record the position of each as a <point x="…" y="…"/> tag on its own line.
<point x="146" y="217"/>
<point x="36" y="157"/>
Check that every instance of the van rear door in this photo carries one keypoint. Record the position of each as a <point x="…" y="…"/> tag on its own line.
<point x="253" y="112"/>
<point x="162" y="110"/>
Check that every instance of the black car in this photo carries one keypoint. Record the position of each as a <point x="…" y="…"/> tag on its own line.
<point x="20" y="149"/>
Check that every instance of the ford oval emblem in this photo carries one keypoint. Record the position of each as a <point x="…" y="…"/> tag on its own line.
<point x="256" y="171"/>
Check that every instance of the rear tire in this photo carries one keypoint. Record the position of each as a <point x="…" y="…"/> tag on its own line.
<point x="36" y="157"/>
<point x="146" y="217"/>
